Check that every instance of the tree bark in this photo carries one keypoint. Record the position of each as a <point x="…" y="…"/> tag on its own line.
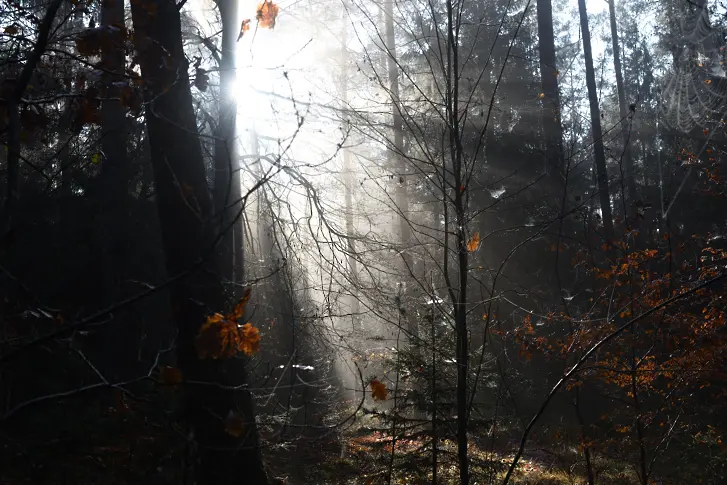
<point x="186" y="220"/>
<point x="552" y="128"/>
<point x="116" y="345"/>
<point x="398" y="161"/>
<point x="227" y="189"/>
<point x="599" y="155"/>
<point x="630" y="196"/>
<point x="348" y="181"/>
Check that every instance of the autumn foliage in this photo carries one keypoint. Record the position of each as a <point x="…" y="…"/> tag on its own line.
<point x="221" y="336"/>
<point x="378" y="390"/>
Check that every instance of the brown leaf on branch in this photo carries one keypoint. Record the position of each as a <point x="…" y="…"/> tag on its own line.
<point x="267" y="12"/>
<point x="221" y="338"/>
<point x="378" y="390"/>
<point x="474" y="243"/>
<point x="239" y="310"/>
<point x="244" y="27"/>
<point x="250" y="339"/>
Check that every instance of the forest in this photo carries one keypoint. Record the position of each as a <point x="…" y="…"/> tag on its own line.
<point x="363" y="242"/>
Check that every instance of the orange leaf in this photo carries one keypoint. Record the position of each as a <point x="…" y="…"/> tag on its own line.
<point x="217" y="338"/>
<point x="169" y="375"/>
<point x="239" y="310"/>
<point x="250" y="339"/>
<point x="244" y="27"/>
<point x="474" y="243"/>
<point x="378" y="390"/>
<point x="267" y="12"/>
<point x="234" y="424"/>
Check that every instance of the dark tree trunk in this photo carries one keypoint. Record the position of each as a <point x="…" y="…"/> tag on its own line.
<point x="116" y="347"/>
<point x="552" y="128"/>
<point x="599" y="155"/>
<point x="187" y="226"/>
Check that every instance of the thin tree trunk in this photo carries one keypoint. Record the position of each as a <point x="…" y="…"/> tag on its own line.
<point x="549" y="81"/>
<point x="348" y="181"/>
<point x="187" y="226"/>
<point x="396" y="156"/>
<point x="12" y="107"/>
<point x="227" y="173"/>
<point x="459" y="297"/>
<point x="630" y="195"/>
<point x="599" y="155"/>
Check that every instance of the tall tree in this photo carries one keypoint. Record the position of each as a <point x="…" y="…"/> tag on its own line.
<point x="112" y="193"/>
<point x="348" y="179"/>
<point x="188" y="233"/>
<point x="628" y="162"/>
<point x="599" y="155"/>
<point x="227" y="188"/>
<point x="398" y="161"/>
<point x="552" y="128"/>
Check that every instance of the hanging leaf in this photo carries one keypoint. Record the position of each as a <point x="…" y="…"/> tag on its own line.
<point x="216" y="338"/>
<point x="234" y="424"/>
<point x="267" y="12"/>
<point x="11" y="30"/>
<point x="250" y="339"/>
<point x="201" y="79"/>
<point x="378" y="390"/>
<point x="239" y="310"/>
<point x="96" y="158"/>
<point x="244" y="27"/>
<point x="474" y="243"/>
<point x="169" y="376"/>
<point x="221" y="338"/>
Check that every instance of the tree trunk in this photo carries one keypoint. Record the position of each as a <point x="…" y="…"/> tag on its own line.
<point x="227" y="174"/>
<point x="599" y="155"/>
<point x="398" y="161"/>
<point x="630" y="195"/>
<point x="116" y="344"/>
<point x="12" y="108"/>
<point x="552" y="128"/>
<point x="186" y="220"/>
<point x="348" y="181"/>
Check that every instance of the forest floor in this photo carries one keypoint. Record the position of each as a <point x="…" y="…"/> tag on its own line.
<point x="367" y="460"/>
<point x="128" y="443"/>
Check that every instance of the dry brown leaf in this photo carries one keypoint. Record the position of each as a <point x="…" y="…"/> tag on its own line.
<point x="474" y="243"/>
<point x="378" y="390"/>
<point x="267" y="12"/>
